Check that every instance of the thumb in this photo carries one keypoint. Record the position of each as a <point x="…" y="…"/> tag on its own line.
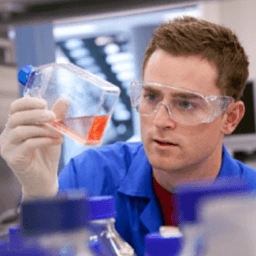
<point x="60" y="108"/>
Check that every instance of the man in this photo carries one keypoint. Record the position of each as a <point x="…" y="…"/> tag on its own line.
<point x="194" y="73"/>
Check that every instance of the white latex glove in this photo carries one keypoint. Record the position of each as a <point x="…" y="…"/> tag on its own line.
<point x="31" y="148"/>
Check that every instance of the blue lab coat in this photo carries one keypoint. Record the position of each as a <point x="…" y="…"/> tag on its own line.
<point x="123" y="170"/>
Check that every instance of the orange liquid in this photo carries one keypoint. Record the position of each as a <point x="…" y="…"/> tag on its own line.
<point x="87" y="130"/>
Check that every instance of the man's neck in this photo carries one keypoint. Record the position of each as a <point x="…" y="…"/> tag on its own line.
<point x="206" y="171"/>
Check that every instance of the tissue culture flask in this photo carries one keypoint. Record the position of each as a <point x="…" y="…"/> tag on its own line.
<point x="87" y="130"/>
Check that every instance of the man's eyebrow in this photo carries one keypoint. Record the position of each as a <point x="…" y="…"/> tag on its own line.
<point x="150" y="88"/>
<point x="186" y="95"/>
<point x="183" y="95"/>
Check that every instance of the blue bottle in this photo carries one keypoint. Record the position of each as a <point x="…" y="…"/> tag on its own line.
<point x="163" y="244"/>
<point x="57" y="225"/>
<point x="105" y="240"/>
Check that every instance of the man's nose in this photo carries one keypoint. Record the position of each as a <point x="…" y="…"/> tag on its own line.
<point x="163" y="116"/>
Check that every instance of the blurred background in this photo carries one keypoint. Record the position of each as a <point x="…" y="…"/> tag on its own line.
<point x="108" y="38"/>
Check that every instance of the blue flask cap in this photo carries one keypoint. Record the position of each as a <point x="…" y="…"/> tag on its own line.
<point x="52" y="215"/>
<point x="191" y="195"/>
<point x="101" y="207"/>
<point x="26" y="74"/>
<point x="156" y="244"/>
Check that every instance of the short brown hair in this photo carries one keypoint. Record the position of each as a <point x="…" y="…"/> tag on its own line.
<point x="216" y="43"/>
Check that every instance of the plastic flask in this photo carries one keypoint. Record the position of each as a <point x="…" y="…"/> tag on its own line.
<point x="57" y="225"/>
<point x="229" y="226"/>
<point x="91" y="100"/>
<point x="191" y="199"/>
<point x="103" y="233"/>
<point x="166" y="242"/>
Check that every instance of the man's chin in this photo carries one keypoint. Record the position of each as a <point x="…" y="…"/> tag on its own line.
<point x="164" y="164"/>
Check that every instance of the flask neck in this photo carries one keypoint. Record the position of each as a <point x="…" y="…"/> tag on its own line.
<point x="107" y="225"/>
<point x="104" y="230"/>
<point x="106" y="221"/>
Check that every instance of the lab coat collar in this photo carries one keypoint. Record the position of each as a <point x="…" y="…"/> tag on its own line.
<point x="138" y="181"/>
<point x="229" y="166"/>
<point x="141" y="184"/>
<point x="141" y="187"/>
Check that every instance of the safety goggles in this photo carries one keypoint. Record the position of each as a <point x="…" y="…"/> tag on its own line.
<point x="183" y="105"/>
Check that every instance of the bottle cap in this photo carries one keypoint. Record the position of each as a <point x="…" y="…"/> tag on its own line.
<point x="60" y="214"/>
<point x="156" y="244"/>
<point x="190" y="196"/>
<point x="170" y="231"/>
<point x="24" y="74"/>
<point x="102" y="207"/>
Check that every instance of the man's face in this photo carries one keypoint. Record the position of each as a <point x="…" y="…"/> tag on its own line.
<point x="169" y="145"/>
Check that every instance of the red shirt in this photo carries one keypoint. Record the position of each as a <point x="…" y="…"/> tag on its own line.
<point x="169" y="204"/>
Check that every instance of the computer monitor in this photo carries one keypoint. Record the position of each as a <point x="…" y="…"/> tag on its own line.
<point x="243" y="139"/>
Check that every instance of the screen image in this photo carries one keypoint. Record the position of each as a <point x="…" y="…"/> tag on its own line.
<point x="242" y="142"/>
<point x="247" y="124"/>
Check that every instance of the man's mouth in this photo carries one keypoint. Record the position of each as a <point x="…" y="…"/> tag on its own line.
<point x="165" y="143"/>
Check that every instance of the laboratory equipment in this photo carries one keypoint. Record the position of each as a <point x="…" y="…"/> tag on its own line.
<point x="90" y="99"/>
<point x="104" y="237"/>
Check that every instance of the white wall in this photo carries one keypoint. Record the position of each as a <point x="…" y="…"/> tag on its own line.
<point x="240" y="16"/>
<point x="9" y="91"/>
<point x="9" y="185"/>
<point x="211" y="11"/>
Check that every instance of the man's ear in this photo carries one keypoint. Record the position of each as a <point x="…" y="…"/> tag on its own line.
<point x="232" y="117"/>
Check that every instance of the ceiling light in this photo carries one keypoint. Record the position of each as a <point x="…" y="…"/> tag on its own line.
<point x="88" y="61"/>
<point x="78" y="53"/>
<point x="123" y="66"/>
<point x="119" y="57"/>
<point x="73" y="30"/>
<point x="73" y="43"/>
<point x="111" y="49"/>
<point x="94" y="69"/>
<point x="125" y="76"/>
<point x="103" y="40"/>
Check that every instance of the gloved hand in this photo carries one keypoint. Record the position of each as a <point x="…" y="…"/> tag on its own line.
<point x="31" y="148"/>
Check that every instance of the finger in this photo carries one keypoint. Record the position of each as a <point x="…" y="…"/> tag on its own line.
<point x="22" y="133"/>
<point x="21" y="156"/>
<point x="30" y="117"/>
<point x="27" y="103"/>
<point x="34" y="143"/>
<point x="60" y="108"/>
